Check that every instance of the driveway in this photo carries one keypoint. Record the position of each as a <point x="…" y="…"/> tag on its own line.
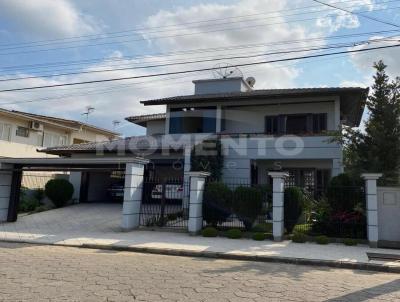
<point x="79" y="220"/>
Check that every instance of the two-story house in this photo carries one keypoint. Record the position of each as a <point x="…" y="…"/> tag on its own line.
<point x="22" y="133"/>
<point x="259" y="130"/>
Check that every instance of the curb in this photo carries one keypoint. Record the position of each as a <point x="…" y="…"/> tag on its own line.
<point x="376" y="267"/>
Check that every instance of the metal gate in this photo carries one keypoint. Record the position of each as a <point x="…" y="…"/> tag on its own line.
<point x="165" y="203"/>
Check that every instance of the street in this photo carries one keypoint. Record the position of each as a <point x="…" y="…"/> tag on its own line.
<point x="50" y="273"/>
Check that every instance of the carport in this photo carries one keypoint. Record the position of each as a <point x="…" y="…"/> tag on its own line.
<point x="11" y="170"/>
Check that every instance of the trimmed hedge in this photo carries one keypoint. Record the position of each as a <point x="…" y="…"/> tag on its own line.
<point x="234" y="234"/>
<point x="59" y="191"/>
<point x="299" y="238"/>
<point x="217" y="203"/>
<point x="247" y="204"/>
<point x="294" y="200"/>
<point x="322" y="240"/>
<point x="209" y="232"/>
<point x="259" y="236"/>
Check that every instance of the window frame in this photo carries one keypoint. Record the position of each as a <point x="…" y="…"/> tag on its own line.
<point x="22" y="128"/>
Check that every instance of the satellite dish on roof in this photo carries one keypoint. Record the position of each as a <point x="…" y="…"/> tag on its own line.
<point x="251" y="81"/>
<point x="226" y="70"/>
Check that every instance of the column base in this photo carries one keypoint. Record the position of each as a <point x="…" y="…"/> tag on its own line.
<point x="278" y="238"/>
<point x="373" y="244"/>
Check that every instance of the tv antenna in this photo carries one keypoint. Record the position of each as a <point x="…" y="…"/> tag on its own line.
<point x="115" y="124"/>
<point x="89" y="110"/>
<point x="226" y="70"/>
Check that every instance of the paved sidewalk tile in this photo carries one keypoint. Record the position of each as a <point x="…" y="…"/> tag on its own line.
<point x="89" y="224"/>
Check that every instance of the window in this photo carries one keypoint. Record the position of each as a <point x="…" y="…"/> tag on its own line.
<point x="296" y="123"/>
<point x="22" y="131"/>
<point x="319" y="122"/>
<point x="52" y="140"/>
<point x="271" y="124"/>
<point x="192" y="120"/>
<point x="5" y="132"/>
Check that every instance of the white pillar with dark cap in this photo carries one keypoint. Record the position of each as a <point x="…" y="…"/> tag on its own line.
<point x="278" y="191"/>
<point x="372" y="206"/>
<point x="132" y="195"/>
<point x="5" y="189"/>
<point x="197" y="184"/>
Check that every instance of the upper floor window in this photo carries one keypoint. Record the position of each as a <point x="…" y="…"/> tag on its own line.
<point x="192" y="120"/>
<point x="5" y="132"/>
<point x="22" y="131"/>
<point x="296" y="123"/>
<point x="52" y="140"/>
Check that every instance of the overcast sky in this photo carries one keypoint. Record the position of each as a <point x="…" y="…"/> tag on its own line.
<point x="45" y="37"/>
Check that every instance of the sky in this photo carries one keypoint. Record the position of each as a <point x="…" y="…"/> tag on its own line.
<point x="41" y="39"/>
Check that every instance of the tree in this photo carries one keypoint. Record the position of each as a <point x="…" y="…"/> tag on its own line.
<point x="207" y="156"/>
<point x="378" y="148"/>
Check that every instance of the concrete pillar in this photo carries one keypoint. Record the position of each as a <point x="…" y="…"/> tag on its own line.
<point x="75" y="178"/>
<point x="278" y="191"/>
<point x="197" y="183"/>
<point x="372" y="206"/>
<point x="5" y="190"/>
<point x="187" y="166"/>
<point x="218" y="119"/>
<point x="132" y="195"/>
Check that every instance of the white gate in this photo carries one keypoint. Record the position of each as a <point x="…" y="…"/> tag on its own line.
<point x="389" y="216"/>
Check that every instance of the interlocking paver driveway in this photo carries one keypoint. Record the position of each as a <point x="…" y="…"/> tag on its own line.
<point x="51" y="273"/>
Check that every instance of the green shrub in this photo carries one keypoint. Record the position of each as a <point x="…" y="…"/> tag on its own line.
<point x="350" y="241"/>
<point x="259" y="236"/>
<point x="342" y="193"/>
<point x="234" y="234"/>
<point x="59" y="191"/>
<point x="209" y="232"/>
<point x="299" y="237"/>
<point x="264" y="227"/>
<point x="304" y="228"/>
<point x="42" y="208"/>
<point x="293" y="206"/>
<point x="217" y="203"/>
<point x="247" y="205"/>
<point x="38" y="194"/>
<point x="27" y="203"/>
<point x="322" y="239"/>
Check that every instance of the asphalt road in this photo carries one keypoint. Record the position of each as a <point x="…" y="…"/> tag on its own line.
<point x="49" y="273"/>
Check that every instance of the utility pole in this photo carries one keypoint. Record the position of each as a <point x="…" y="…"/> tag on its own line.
<point x="89" y="110"/>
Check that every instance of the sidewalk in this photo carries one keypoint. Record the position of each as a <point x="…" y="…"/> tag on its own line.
<point x="71" y="226"/>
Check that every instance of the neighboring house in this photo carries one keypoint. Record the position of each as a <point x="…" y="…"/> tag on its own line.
<point x="22" y="133"/>
<point x="260" y="131"/>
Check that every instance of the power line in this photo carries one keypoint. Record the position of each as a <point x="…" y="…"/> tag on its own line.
<point x="246" y="56"/>
<point x="358" y="14"/>
<point x="164" y="37"/>
<point x="191" y="51"/>
<point x="195" y="70"/>
<point x="119" y="87"/>
<point x="179" y="24"/>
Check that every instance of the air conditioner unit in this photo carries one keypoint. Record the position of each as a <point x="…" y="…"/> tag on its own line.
<point x="36" y="126"/>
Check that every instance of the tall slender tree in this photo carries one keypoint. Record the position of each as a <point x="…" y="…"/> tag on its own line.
<point x="378" y="148"/>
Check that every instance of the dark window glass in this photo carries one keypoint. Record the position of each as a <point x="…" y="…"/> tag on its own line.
<point x="296" y="124"/>
<point x="271" y="124"/>
<point x="22" y="131"/>
<point x="192" y="120"/>
<point x="319" y="122"/>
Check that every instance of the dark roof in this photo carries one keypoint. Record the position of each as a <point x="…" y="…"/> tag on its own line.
<point x="133" y="144"/>
<point x="61" y="121"/>
<point x="261" y="93"/>
<point x="142" y="119"/>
